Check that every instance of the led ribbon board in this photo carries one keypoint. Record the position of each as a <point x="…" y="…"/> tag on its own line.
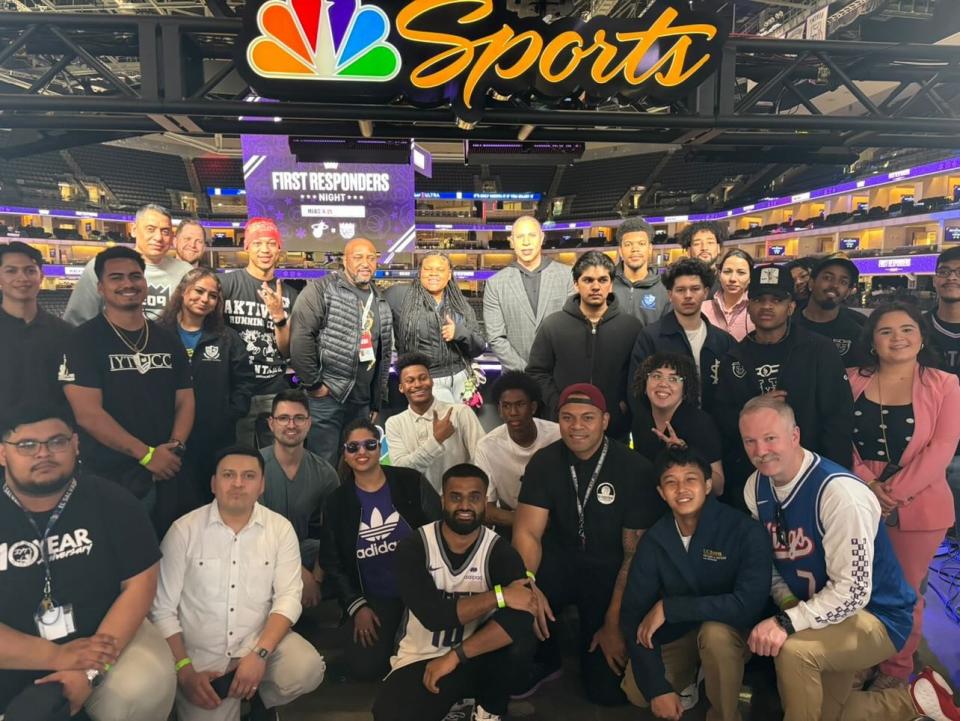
<point x="434" y="52"/>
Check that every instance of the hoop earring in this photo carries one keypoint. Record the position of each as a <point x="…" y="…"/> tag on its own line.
<point x="873" y="351"/>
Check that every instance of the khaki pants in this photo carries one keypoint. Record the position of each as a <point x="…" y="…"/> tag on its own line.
<point x="293" y="669"/>
<point x="141" y="684"/>
<point x="721" y="650"/>
<point x="815" y="671"/>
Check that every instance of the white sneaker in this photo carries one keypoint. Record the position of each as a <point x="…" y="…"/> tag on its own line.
<point x="479" y="714"/>
<point x="690" y="696"/>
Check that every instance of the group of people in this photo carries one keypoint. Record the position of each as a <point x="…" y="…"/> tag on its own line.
<point x="718" y="461"/>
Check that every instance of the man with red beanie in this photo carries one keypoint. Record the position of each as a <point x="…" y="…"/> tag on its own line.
<point x="584" y="502"/>
<point x="257" y="306"/>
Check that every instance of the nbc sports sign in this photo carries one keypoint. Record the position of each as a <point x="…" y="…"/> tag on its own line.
<point x="459" y="52"/>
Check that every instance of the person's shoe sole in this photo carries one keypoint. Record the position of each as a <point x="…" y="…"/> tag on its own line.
<point x="926" y="696"/>
<point x="536" y="687"/>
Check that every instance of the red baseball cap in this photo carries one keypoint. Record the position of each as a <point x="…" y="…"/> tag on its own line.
<point x="261" y="228"/>
<point x="592" y="394"/>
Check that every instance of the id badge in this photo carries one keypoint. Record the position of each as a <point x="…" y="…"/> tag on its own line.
<point x="366" y="347"/>
<point x="56" y="623"/>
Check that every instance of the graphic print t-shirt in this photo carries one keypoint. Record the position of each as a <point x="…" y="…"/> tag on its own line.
<point x="248" y="315"/>
<point x="767" y="360"/>
<point x="103" y="538"/>
<point x="139" y="390"/>
<point x="381" y="529"/>
<point x="844" y="331"/>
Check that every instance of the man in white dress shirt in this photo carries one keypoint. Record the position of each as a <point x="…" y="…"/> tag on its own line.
<point x="229" y="592"/>
<point x="430" y="435"/>
<point x="504" y="452"/>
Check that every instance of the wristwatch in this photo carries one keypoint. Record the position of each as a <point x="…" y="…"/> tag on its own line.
<point x="785" y="623"/>
<point x="282" y="322"/>
<point x="94" y="677"/>
<point x="261" y="652"/>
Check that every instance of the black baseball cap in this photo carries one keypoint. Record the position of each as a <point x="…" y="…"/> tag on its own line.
<point x="771" y="278"/>
<point x="841" y="260"/>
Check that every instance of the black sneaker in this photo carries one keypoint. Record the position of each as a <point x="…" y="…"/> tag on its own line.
<point x="538" y="675"/>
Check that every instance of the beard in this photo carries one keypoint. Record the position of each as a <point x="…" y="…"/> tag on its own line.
<point x="38" y="490"/>
<point x="462" y="528"/>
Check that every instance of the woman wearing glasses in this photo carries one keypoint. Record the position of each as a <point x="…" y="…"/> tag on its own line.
<point x="223" y="378"/>
<point x="374" y="508"/>
<point x="669" y="414"/>
<point x="906" y="429"/>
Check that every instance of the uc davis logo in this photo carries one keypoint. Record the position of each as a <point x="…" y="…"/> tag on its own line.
<point x="323" y="40"/>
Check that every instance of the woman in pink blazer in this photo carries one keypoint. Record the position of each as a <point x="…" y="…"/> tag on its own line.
<point x="906" y="412"/>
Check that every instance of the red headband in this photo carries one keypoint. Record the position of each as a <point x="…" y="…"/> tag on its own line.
<point x="259" y="228"/>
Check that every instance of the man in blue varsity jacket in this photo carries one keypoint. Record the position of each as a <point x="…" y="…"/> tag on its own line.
<point x="698" y="583"/>
<point x="845" y="605"/>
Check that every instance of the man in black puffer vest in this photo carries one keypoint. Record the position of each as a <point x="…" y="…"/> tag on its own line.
<point x="340" y="347"/>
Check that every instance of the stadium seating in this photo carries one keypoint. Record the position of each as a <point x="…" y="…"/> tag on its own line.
<point x="135" y="177"/>
<point x="219" y="172"/>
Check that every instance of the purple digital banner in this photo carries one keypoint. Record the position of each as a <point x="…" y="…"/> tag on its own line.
<point x="896" y="265"/>
<point x="388" y="274"/>
<point x="320" y="206"/>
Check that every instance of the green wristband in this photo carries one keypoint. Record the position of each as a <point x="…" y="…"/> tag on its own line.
<point x="145" y="461"/>
<point x="182" y="663"/>
<point x="531" y="576"/>
<point x="501" y="601"/>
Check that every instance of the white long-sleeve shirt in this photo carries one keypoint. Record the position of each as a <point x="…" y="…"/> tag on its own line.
<point x="850" y="515"/>
<point x="412" y="445"/>
<point x="218" y="587"/>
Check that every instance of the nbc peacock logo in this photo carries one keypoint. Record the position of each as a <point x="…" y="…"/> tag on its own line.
<point x="323" y="40"/>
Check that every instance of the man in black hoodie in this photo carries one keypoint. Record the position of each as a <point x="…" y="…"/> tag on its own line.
<point x="781" y="358"/>
<point x="589" y="341"/>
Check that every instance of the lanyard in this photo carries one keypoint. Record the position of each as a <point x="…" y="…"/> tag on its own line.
<point x="586" y="495"/>
<point x="366" y="311"/>
<point x="46" y="602"/>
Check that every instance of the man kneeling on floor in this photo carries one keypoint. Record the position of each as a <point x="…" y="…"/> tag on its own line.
<point x="845" y="604"/>
<point x="698" y="583"/>
<point x="468" y="630"/>
<point x="229" y="591"/>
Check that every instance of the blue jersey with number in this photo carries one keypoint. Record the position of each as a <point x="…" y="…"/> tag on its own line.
<point x="802" y="561"/>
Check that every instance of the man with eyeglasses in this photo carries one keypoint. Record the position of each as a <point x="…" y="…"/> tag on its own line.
<point x="341" y="343"/>
<point x="153" y="239"/>
<point x="844" y="603"/>
<point x="35" y="340"/>
<point x="636" y="285"/>
<point x="945" y="335"/>
<point x="256" y="304"/>
<point x="78" y="571"/>
<point x="504" y="452"/>
<point x="297" y="483"/>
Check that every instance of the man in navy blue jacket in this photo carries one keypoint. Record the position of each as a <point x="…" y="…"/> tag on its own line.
<point x="698" y="583"/>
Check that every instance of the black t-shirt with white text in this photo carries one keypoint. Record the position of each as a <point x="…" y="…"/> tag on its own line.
<point x="247" y="314"/>
<point x="139" y="390"/>
<point x="767" y="360"/>
<point x="103" y="538"/>
<point x="362" y="388"/>
<point x="844" y="331"/>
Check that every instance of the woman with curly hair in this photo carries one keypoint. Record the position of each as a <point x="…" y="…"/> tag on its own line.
<point x="432" y="317"/>
<point x="667" y="389"/>
<point x="223" y="378"/>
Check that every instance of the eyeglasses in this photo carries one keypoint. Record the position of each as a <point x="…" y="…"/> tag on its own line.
<point x="371" y="444"/>
<point x="945" y="273"/>
<point x="30" y="447"/>
<point x="671" y="379"/>
<point x="285" y="420"/>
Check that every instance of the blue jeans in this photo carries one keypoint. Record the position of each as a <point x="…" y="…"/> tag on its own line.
<point x="327" y="419"/>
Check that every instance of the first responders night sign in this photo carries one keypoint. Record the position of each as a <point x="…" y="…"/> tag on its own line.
<point x="434" y="52"/>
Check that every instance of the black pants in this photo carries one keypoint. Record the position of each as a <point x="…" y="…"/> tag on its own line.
<point x="373" y="662"/>
<point x="567" y="581"/>
<point x="487" y="678"/>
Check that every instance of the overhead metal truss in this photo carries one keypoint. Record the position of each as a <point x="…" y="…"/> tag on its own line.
<point x="134" y="74"/>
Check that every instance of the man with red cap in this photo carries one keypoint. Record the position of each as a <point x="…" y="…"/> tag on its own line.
<point x="257" y="306"/>
<point x="584" y="502"/>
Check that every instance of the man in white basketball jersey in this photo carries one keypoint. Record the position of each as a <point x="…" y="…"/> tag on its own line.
<point x="468" y="628"/>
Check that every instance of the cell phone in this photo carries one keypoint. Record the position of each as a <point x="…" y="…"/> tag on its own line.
<point x="888" y="472"/>
<point x="221" y="684"/>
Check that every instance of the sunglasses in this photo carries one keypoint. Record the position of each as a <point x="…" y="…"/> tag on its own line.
<point x="780" y="526"/>
<point x="371" y="444"/>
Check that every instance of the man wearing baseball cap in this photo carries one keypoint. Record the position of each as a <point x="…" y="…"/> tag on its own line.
<point x="832" y="281"/>
<point x="584" y="502"/>
<point x="780" y="358"/>
<point x="257" y="306"/>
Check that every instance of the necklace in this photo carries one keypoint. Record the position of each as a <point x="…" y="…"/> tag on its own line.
<point x="883" y="421"/>
<point x="134" y="346"/>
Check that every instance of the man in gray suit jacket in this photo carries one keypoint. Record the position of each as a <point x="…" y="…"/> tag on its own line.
<point x="517" y="298"/>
